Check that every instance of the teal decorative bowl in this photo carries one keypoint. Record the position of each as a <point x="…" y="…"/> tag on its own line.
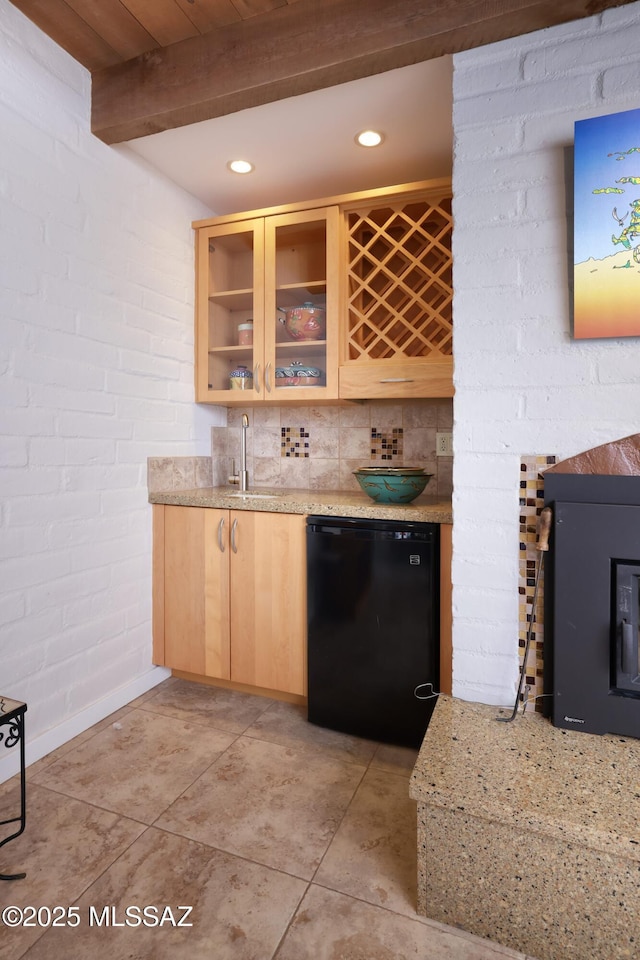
<point x="392" y="484"/>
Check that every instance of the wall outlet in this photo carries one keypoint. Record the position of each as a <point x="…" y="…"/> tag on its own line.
<point x="444" y="444"/>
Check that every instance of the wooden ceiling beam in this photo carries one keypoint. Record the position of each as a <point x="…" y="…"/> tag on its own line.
<point x="57" y="17"/>
<point x="300" y="47"/>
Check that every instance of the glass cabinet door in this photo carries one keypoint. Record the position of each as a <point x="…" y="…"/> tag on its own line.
<point x="230" y="342"/>
<point x="301" y="305"/>
<point x="267" y="309"/>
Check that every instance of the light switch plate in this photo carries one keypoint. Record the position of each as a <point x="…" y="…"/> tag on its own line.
<point x="444" y="444"/>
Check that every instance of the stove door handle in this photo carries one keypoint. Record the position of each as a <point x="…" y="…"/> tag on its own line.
<point x="629" y="648"/>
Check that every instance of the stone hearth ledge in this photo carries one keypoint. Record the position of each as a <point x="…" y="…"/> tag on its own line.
<point x="328" y="503"/>
<point x="529" y="835"/>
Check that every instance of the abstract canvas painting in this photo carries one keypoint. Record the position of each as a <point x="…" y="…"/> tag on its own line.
<point x="606" y="263"/>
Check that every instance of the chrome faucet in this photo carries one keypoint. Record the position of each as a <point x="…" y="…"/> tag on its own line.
<point x="243" y="477"/>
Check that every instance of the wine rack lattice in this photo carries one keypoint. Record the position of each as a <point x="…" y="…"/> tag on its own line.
<point x="399" y="281"/>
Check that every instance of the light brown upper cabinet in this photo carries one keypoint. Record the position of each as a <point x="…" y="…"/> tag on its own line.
<point x="397" y="294"/>
<point x="374" y="268"/>
<point x="254" y="271"/>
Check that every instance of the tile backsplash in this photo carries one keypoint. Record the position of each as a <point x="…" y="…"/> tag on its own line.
<point x="532" y="467"/>
<point x="319" y="447"/>
<point x="178" y="473"/>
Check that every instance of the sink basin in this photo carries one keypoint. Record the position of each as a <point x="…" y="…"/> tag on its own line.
<point x="255" y="496"/>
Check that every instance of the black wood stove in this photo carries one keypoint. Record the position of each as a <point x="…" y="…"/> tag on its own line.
<point x="592" y="603"/>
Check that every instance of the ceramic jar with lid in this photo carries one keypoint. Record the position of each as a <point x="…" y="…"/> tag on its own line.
<point x="241" y="378"/>
<point x="298" y="374"/>
<point x="306" y="322"/>
<point x="245" y="333"/>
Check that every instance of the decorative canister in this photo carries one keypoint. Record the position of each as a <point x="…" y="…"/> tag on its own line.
<point x="298" y="374"/>
<point x="241" y="378"/>
<point x="245" y="333"/>
<point x="306" y="322"/>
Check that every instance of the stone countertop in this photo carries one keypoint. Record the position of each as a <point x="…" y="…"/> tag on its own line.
<point x="569" y="785"/>
<point x="329" y="503"/>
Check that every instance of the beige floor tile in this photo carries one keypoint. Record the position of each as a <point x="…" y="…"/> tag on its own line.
<point x="268" y="803"/>
<point x="332" y="926"/>
<point x="287" y="724"/>
<point x="138" y="765"/>
<point x="73" y="744"/>
<point x="66" y="845"/>
<point x="152" y="692"/>
<point x="228" y="710"/>
<point x="373" y="854"/>
<point x="274" y="801"/>
<point x="240" y="909"/>
<point x="398" y="760"/>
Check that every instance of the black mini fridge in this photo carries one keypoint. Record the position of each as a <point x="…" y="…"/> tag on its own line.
<point x="373" y="626"/>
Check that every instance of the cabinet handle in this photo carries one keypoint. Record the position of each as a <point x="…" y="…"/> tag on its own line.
<point x="220" y="540"/>
<point x="256" y="377"/>
<point x="267" y="385"/>
<point x="396" y="380"/>
<point x="629" y="648"/>
<point x="233" y="535"/>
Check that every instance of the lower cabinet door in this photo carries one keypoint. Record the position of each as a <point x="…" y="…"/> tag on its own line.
<point x="196" y="594"/>
<point x="268" y="600"/>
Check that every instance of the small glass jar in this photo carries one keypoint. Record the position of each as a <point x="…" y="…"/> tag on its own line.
<point x="245" y="333"/>
<point x="241" y="378"/>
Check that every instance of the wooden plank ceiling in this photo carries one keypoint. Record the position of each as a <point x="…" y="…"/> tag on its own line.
<point x="158" y="64"/>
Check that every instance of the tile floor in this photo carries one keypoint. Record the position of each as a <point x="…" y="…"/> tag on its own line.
<point x="288" y="841"/>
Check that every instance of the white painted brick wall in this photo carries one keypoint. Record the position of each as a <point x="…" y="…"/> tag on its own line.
<point x="523" y="386"/>
<point x="96" y="354"/>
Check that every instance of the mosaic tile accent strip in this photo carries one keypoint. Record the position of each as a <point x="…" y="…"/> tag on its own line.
<point x="294" y="442"/>
<point x="531" y="503"/>
<point x="386" y="444"/>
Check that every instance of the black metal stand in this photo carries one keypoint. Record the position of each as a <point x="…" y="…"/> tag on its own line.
<point x="12" y="716"/>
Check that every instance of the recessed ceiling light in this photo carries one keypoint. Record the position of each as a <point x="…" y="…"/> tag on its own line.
<point x="240" y="166"/>
<point x="369" y="138"/>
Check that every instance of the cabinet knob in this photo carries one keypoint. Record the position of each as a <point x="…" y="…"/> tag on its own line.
<point x="267" y="384"/>
<point x="256" y="378"/>
<point x="220" y="531"/>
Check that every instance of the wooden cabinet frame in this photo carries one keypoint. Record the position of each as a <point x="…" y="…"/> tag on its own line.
<point x="396" y="290"/>
<point x="275" y="269"/>
<point x="229" y="596"/>
<point x="410" y="277"/>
